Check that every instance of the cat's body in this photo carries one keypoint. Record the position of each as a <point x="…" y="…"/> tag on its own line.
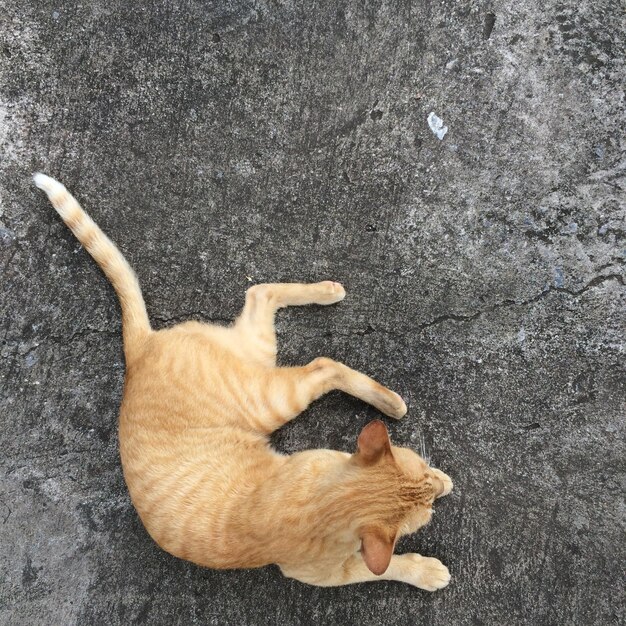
<point x="199" y="404"/>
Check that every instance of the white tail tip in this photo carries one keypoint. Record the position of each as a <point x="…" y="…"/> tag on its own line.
<point x="47" y="184"/>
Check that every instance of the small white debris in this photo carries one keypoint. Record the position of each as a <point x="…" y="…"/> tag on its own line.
<point x="436" y="125"/>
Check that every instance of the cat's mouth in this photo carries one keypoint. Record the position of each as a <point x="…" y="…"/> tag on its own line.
<point x="421" y="518"/>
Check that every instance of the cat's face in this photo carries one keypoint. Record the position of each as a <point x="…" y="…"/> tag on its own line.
<point x="405" y="488"/>
<point x="415" y="467"/>
<point x="417" y="481"/>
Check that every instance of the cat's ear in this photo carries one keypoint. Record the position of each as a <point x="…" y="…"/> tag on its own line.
<point x="373" y="442"/>
<point x="376" y="550"/>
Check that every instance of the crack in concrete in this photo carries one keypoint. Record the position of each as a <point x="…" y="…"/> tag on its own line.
<point x="460" y="317"/>
<point x="192" y="316"/>
<point x="595" y="282"/>
<point x="440" y="319"/>
<point x="8" y="508"/>
<point x="81" y="333"/>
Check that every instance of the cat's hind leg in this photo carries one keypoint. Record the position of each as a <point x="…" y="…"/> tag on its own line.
<point x="323" y="375"/>
<point x="255" y="325"/>
<point x="289" y="390"/>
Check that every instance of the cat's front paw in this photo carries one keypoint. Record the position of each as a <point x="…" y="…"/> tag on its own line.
<point x="445" y="480"/>
<point x="426" y="572"/>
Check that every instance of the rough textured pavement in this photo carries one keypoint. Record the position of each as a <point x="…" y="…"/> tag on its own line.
<point x="224" y="143"/>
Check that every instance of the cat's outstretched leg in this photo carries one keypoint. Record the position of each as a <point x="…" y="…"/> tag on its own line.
<point x="424" y="572"/>
<point x="289" y="390"/>
<point x="256" y="322"/>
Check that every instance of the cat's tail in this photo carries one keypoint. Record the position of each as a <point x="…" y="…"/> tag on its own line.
<point x="135" y="323"/>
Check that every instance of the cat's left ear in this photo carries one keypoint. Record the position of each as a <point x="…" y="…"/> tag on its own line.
<point x="373" y="442"/>
<point x="377" y="550"/>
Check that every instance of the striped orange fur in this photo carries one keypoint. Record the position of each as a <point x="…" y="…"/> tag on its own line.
<point x="199" y="404"/>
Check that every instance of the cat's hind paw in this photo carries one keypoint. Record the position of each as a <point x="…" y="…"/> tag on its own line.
<point x="393" y="405"/>
<point x="329" y="292"/>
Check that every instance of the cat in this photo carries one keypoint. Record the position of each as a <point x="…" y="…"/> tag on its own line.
<point x="199" y="404"/>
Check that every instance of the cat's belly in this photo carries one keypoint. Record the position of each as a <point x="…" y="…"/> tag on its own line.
<point x="186" y="485"/>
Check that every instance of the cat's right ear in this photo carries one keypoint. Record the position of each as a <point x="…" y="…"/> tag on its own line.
<point x="373" y="443"/>
<point x="376" y="550"/>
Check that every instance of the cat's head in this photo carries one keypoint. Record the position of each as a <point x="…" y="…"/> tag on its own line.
<point x="402" y="490"/>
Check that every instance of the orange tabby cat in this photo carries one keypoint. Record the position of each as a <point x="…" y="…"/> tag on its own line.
<point x="199" y="404"/>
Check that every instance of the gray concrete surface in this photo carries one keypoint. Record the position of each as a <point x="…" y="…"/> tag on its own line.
<point x="220" y="143"/>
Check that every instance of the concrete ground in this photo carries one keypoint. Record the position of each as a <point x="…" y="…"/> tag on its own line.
<point x="226" y="143"/>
